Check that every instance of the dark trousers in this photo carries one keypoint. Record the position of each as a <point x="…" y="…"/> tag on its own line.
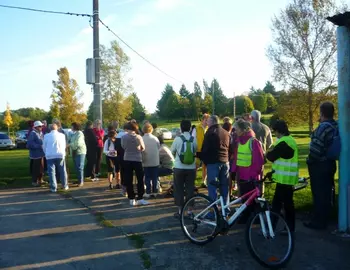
<point x="244" y="188"/>
<point x="284" y="198"/>
<point x="37" y="170"/>
<point x="183" y="184"/>
<point x="151" y="179"/>
<point x="91" y="161"/>
<point x="122" y="171"/>
<point x="98" y="160"/>
<point x="129" y="168"/>
<point x="322" y="181"/>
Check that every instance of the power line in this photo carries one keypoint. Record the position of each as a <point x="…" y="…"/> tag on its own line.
<point x="145" y="59"/>
<point x="47" y="11"/>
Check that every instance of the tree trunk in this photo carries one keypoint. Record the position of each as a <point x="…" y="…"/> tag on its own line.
<point x="311" y="115"/>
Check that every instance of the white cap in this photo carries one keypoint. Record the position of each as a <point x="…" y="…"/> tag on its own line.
<point x="38" y="124"/>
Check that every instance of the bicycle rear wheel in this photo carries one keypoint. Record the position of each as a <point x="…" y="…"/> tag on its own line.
<point x="272" y="252"/>
<point x="198" y="221"/>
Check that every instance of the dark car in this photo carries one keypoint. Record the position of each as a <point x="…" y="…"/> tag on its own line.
<point x="21" y="139"/>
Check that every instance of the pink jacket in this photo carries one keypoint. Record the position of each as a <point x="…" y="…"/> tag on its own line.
<point x="256" y="168"/>
<point x="99" y="136"/>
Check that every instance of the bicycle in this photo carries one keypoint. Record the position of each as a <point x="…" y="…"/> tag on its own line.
<point x="221" y="222"/>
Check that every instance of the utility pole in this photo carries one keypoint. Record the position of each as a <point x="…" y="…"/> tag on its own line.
<point x="234" y="106"/>
<point x="97" y="91"/>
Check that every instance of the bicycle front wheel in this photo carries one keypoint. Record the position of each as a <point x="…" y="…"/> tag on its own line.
<point x="269" y="239"/>
<point x="199" y="220"/>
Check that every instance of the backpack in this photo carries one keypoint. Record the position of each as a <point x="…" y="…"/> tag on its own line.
<point x="333" y="150"/>
<point x="187" y="155"/>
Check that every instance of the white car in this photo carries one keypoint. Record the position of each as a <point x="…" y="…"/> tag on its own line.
<point x="167" y="135"/>
<point x="6" y="142"/>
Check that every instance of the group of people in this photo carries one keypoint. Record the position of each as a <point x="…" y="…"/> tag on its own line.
<point x="229" y="154"/>
<point x="237" y="153"/>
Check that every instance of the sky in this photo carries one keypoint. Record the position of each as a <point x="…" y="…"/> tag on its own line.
<point x="191" y="40"/>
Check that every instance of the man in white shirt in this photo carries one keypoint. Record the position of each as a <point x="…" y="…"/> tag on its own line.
<point x="55" y="151"/>
<point x="184" y="173"/>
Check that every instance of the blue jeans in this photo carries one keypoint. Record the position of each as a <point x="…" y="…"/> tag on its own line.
<point x="218" y="172"/>
<point x="79" y="162"/>
<point x="53" y="165"/>
<point x="151" y="176"/>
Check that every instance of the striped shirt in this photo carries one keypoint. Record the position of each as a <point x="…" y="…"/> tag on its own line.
<point x="321" y="139"/>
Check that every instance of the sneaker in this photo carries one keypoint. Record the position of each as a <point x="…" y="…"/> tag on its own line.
<point x="53" y="190"/>
<point x="110" y="186"/>
<point x="203" y="186"/>
<point x="147" y="196"/>
<point x="81" y="184"/>
<point x="66" y="188"/>
<point x="96" y="179"/>
<point x="133" y="202"/>
<point x="160" y="189"/>
<point x="35" y="184"/>
<point x="142" y="202"/>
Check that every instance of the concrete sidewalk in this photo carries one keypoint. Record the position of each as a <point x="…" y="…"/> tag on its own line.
<point x="168" y="248"/>
<point x="48" y="231"/>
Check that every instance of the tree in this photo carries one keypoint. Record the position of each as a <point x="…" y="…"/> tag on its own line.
<point x="294" y="112"/>
<point x="196" y="101"/>
<point x="184" y="92"/>
<point x="90" y="112"/>
<point x="271" y="103"/>
<point x="259" y="99"/>
<point x="65" y="99"/>
<point x="162" y="102"/>
<point x="8" y="118"/>
<point x="270" y="89"/>
<point x="207" y="104"/>
<point x="115" y="83"/>
<point x="303" y="49"/>
<point x="244" y="105"/>
<point x="138" y="110"/>
<point x="116" y="108"/>
<point x="220" y="100"/>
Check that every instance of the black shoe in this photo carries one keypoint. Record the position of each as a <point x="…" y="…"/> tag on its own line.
<point x="313" y="226"/>
<point x="117" y="186"/>
<point x="110" y="186"/>
<point x="177" y="215"/>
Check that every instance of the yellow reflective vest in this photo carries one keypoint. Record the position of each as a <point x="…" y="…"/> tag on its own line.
<point x="287" y="170"/>
<point x="244" y="154"/>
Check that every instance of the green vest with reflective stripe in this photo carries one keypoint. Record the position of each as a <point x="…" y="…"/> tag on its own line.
<point x="244" y="154"/>
<point x="287" y="170"/>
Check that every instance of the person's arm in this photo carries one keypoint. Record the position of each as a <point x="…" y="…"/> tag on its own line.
<point x="318" y="142"/>
<point x="281" y="150"/>
<point x="142" y="144"/>
<point x="173" y="147"/>
<point x="122" y="142"/>
<point x="44" y="144"/>
<point x="269" y="140"/>
<point x="258" y="159"/>
<point x="105" y="148"/>
<point x="64" y="144"/>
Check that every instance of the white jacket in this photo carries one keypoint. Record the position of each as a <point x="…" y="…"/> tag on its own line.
<point x="54" y="145"/>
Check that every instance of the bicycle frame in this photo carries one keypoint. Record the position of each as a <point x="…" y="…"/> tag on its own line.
<point x="252" y="196"/>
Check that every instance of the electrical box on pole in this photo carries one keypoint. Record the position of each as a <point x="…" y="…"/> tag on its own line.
<point x="90" y="71"/>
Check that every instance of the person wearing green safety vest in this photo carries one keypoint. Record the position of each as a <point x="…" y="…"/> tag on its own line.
<point x="284" y="155"/>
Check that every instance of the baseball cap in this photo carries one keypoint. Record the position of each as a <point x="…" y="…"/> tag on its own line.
<point x="38" y="124"/>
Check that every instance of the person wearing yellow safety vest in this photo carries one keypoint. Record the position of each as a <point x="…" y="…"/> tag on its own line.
<point x="198" y="132"/>
<point x="248" y="160"/>
<point x="284" y="155"/>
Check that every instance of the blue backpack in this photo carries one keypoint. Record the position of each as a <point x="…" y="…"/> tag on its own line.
<point x="333" y="150"/>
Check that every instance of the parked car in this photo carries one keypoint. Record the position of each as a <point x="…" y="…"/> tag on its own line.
<point x="167" y="135"/>
<point x="175" y="132"/>
<point x="6" y="142"/>
<point x="21" y="139"/>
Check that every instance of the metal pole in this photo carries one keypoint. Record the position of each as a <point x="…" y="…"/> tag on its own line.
<point x="97" y="91"/>
<point x="343" y="40"/>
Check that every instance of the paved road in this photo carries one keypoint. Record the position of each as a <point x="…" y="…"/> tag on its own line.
<point x="47" y="231"/>
<point x="42" y="229"/>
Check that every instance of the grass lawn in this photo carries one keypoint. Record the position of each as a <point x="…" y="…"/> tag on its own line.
<point x="14" y="168"/>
